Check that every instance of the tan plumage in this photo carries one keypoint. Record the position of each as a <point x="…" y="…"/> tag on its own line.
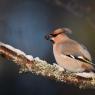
<point x="68" y="53"/>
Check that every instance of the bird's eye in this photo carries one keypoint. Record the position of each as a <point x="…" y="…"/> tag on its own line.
<point x="54" y="35"/>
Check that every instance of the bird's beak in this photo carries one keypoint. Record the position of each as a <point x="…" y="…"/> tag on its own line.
<point x="48" y="37"/>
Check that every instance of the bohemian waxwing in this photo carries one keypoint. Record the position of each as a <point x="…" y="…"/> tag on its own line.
<point x="68" y="53"/>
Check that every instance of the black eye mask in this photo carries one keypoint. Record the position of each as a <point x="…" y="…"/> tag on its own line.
<point x="54" y="35"/>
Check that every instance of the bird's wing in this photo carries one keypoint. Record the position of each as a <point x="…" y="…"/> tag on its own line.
<point x="85" y="52"/>
<point x="76" y="51"/>
<point x="81" y="58"/>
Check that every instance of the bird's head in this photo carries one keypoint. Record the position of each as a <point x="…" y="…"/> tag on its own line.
<point x="58" y="34"/>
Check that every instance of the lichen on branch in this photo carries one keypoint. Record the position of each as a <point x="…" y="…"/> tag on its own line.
<point x="43" y="68"/>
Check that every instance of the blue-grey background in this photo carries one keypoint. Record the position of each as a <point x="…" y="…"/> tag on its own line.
<point x="24" y="23"/>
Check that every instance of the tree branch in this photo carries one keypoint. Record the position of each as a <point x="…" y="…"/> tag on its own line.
<point x="40" y="67"/>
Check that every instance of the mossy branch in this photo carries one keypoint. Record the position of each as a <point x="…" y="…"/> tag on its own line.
<point x="40" y="67"/>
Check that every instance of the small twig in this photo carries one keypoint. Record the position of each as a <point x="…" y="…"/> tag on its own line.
<point x="40" y="67"/>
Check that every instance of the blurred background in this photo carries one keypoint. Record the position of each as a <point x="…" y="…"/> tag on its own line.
<point x="24" y="23"/>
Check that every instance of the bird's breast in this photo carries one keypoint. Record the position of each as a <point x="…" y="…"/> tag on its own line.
<point x="66" y="62"/>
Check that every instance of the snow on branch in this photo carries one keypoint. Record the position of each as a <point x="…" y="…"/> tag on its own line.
<point x="43" y="68"/>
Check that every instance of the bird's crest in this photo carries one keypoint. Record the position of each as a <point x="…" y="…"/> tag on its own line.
<point x="60" y="31"/>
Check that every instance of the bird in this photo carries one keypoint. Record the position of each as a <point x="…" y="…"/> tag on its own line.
<point x="70" y="54"/>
